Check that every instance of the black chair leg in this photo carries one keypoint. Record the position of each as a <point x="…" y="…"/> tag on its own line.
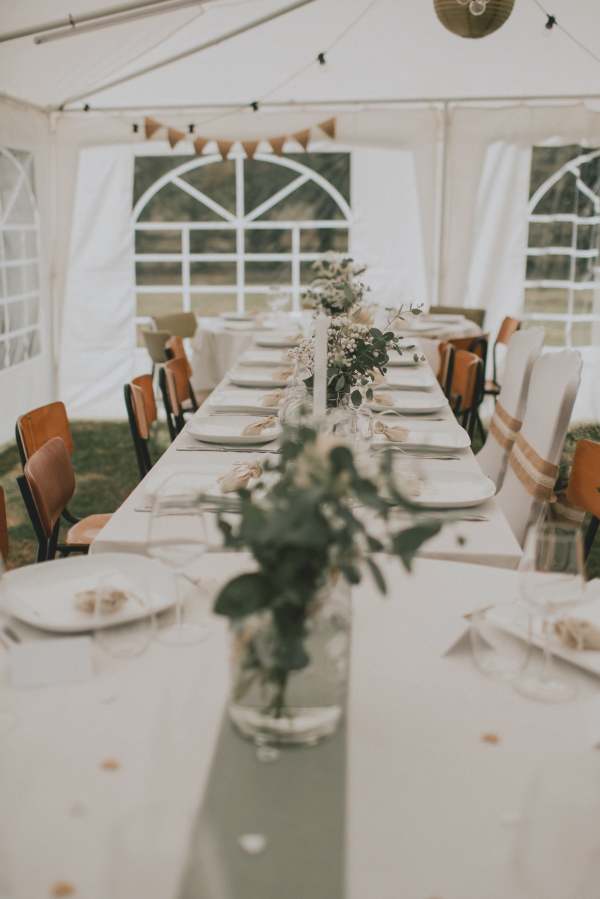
<point x="590" y="536"/>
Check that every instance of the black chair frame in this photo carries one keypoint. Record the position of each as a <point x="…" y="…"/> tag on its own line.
<point x="47" y="547"/>
<point x="140" y="444"/>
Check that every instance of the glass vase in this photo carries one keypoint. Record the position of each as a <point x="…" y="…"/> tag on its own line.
<point x="297" y="707"/>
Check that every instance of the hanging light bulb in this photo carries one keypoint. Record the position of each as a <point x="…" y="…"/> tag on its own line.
<point x="477" y="7"/>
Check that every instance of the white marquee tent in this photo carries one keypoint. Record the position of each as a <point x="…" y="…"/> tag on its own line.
<point x="441" y="131"/>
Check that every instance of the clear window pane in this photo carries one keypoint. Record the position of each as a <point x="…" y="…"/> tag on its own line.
<point x="157" y="273"/>
<point x="555" y="332"/>
<point x="276" y="240"/>
<point x="217" y="181"/>
<point x="30" y="278"/>
<point x="581" y="334"/>
<point x="17" y="349"/>
<point x="204" y="273"/>
<point x="548" y="268"/>
<point x="14" y="280"/>
<point x="17" y="315"/>
<point x="324" y="240"/>
<point x="549" y="300"/>
<point x="268" y="273"/>
<point x="259" y="302"/>
<point x="158" y="241"/>
<point x="209" y="241"/>
<point x="158" y="303"/>
<point x="33" y="311"/>
<point x="209" y="304"/>
<point x="13" y="245"/>
<point x="550" y="234"/>
<point x="31" y="244"/>
<point x="171" y="204"/>
<point x="584" y="269"/>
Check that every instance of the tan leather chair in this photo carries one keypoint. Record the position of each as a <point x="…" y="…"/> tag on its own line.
<point x="444" y="376"/>
<point x="141" y="413"/>
<point x="473" y="314"/>
<point x="508" y="327"/>
<point x="36" y="427"/>
<point x="181" y="324"/>
<point x="175" y="346"/>
<point x="466" y="389"/>
<point x="155" y="342"/>
<point x="177" y="393"/>
<point x="3" y="527"/>
<point x="47" y="485"/>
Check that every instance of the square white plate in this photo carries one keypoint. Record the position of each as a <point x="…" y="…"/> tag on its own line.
<point x="449" y="488"/>
<point x="227" y="429"/>
<point x="242" y="401"/>
<point x="421" y="378"/>
<point x="43" y="595"/>
<point x="425" y="435"/>
<point x="258" y="377"/>
<point x="413" y="403"/>
<point x="237" y="316"/>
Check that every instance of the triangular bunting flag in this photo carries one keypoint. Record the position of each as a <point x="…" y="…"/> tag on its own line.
<point x="250" y="147"/>
<point x="174" y="136"/>
<point x="224" y="147"/>
<point x="199" y="145"/>
<point x="328" y="128"/>
<point x="277" y="144"/>
<point x="303" y="138"/>
<point x="151" y="126"/>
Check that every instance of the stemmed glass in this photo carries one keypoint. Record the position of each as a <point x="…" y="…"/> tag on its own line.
<point x="178" y="537"/>
<point x="551" y="579"/>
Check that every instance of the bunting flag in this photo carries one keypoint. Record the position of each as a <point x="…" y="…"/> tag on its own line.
<point x="174" y="136"/>
<point x="250" y="147"/>
<point x="199" y="145"/>
<point x="224" y="147"/>
<point x="151" y="126"/>
<point x="328" y="128"/>
<point x="303" y="138"/>
<point x="277" y="144"/>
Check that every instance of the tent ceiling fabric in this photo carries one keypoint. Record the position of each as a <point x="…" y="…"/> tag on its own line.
<point x="399" y="50"/>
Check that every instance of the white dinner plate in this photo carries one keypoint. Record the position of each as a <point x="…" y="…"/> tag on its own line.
<point x="421" y="378"/>
<point x="247" y="402"/>
<point x="418" y="402"/>
<point x="424" y="435"/>
<point x="238" y="316"/>
<point x="257" y="377"/>
<point x="227" y="429"/>
<point x="280" y="340"/>
<point x="439" y="317"/>
<point x="449" y="488"/>
<point x="264" y="358"/>
<point x="240" y="326"/>
<point x="43" y="595"/>
<point x="418" y="326"/>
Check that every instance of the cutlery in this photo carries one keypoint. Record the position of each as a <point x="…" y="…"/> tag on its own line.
<point x="11" y="634"/>
<point x="216" y="448"/>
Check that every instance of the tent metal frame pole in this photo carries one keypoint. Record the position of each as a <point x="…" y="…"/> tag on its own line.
<point x="73" y="21"/>
<point x="440" y="220"/>
<point x="198" y="48"/>
<point x="302" y="105"/>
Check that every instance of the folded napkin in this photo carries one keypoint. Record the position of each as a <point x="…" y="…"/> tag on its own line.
<point x="382" y="399"/>
<point x="364" y="316"/>
<point x="575" y="633"/>
<point x="282" y="374"/>
<point x="377" y="377"/>
<point x="396" y="434"/>
<point x="258" y="427"/>
<point x="272" y="400"/>
<point x="239" y="476"/>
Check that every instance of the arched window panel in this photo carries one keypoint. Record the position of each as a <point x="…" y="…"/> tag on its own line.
<point x="19" y="259"/>
<point x="562" y="278"/>
<point x="214" y="235"/>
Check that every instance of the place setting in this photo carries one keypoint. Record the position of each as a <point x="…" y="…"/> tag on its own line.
<point x="239" y="431"/>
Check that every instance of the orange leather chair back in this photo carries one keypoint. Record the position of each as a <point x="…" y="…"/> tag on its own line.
<point x="584" y="482"/>
<point x="465" y="343"/>
<point x="175" y="344"/>
<point x="51" y="479"/>
<point x="464" y="378"/>
<point x="445" y="350"/>
<point x="3" y="526"/>
<point x="508" y="327"/>
<point x="178" y="384"/>
<point x="40" y="425"/>
<point x="144" y="404"/>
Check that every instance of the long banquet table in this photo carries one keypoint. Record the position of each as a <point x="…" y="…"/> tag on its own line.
<point x="407" y="800"/>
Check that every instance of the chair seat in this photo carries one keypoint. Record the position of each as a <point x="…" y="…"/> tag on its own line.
<point x="86" y="530"/>
<point x="492" y="388"/>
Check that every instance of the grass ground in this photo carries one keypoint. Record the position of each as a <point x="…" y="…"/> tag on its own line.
<point x="107" y="472"/>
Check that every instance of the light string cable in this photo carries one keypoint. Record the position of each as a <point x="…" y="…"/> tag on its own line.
<point x="553" y="22"/>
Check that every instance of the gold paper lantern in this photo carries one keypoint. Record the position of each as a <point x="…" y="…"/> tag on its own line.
<point x="458" y="18"/>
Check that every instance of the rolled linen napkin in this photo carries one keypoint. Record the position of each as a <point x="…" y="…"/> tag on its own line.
<point x="363" y="316"/>
<point x="282" y="374"/>
<point x="110" y="599"/>
<point x="377" y="377"/>
<point x="239" y="476"/>
<point x="257" y="427"/>
<point x="272" y="400"/>
<point x="382" y="399"/>
<point x="575" y="633"/>
<point x="396" y="434"/>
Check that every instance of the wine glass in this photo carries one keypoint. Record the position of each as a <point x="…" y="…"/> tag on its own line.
<point x="551" y="580"/>
<point x="178" y="537"/>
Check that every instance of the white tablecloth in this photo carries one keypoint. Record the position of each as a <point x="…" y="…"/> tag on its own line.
<point x="431" y="809"/>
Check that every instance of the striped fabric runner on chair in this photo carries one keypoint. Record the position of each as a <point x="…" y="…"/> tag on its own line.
<point x="504" y="428"/>
<point x="537" y="476"/>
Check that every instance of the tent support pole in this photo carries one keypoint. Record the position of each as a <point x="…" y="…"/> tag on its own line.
<point x="199" y="48"/>
<point x="442" y="181"/>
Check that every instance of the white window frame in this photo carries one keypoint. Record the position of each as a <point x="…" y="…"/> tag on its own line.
<point x="239" y="222"/>
<point x="571" y="285"/>
<point x="31" y="329"/>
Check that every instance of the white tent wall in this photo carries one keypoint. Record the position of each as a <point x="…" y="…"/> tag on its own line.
<point x="31" y="382"/>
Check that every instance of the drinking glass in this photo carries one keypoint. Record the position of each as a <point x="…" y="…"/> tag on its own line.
<point x="178" y="537"/>
<point x="127" y="640"/>
<point x="551" y="580"/>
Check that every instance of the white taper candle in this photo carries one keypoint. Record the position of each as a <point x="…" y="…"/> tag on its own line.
<point x="320" y="372"/>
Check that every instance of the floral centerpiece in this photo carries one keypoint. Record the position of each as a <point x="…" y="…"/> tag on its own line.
<point x="290" y="616"/>
<point x="354" y="352"/>
<point x="336" y="288"/>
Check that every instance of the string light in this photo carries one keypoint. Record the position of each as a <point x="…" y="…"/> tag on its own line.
<point x="191" y="129"/>
<point x="550" y="22"/>
<point x="321" y="59"/>
<point x="254" y="106"/>
<point x="135" y="127"/>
